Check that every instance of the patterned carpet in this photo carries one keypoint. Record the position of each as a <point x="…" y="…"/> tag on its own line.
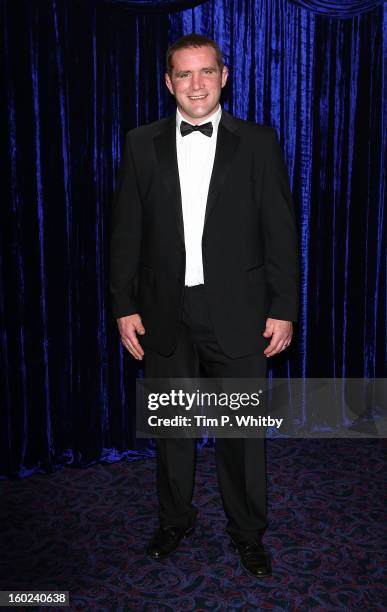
<point x="84" y="530"/>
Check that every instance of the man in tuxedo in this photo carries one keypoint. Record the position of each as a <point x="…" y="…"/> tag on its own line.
<point x="204" y="277"/>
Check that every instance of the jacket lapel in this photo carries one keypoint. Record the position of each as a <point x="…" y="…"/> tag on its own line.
<point x="165" y="145"/>
<point x="226" y="145"/>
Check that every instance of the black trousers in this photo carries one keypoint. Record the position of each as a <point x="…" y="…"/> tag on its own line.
<point x="240" y="462"/>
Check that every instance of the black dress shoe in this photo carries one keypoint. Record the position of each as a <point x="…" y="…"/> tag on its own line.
<point x="166" y="540"/>
<point x="254" y="557"/>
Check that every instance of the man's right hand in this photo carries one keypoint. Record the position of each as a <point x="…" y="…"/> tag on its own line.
<point x="128" y="327"/>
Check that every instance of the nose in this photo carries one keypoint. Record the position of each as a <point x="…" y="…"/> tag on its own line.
<point x="197" y="81"/>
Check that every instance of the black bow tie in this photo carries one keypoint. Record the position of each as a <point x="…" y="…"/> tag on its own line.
<point x="187" y="128"/>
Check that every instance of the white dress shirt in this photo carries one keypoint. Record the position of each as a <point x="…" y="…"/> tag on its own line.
<point x="195" y="157"/>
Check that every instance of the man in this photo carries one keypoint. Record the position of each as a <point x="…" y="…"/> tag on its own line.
<point x="204" y="273"/>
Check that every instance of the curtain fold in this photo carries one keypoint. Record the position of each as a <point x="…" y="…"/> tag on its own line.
<point x="345" y="9"/>
<point x="75" y="77"/>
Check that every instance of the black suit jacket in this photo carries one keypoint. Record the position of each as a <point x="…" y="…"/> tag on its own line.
<point x="249" y="244"/>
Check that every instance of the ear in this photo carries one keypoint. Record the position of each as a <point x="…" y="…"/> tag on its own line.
<point x="224" y="75"/>
<point x="169" y="84"/>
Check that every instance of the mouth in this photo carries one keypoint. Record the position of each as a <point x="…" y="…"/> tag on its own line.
<point x="194" y="98"/>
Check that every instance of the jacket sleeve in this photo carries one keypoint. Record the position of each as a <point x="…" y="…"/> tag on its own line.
<point x="125" y="237"/>
<point x="280" y="236"/>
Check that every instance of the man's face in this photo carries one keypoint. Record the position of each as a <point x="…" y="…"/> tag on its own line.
<point x="196" y="82"/>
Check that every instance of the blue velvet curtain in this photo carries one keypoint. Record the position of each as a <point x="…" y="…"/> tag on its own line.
<point x="74" y="77"/>
<point x="152" y="6"/>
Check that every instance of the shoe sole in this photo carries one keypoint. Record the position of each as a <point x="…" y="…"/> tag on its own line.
<point x="189" y="532"/>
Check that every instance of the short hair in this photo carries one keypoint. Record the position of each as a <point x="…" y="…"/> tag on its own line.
<point x="193" y="40"/>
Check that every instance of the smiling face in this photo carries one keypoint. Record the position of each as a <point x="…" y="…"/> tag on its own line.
<point x="196" y="82"/>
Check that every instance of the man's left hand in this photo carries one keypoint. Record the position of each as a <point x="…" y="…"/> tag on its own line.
<point x="281" y="333"/>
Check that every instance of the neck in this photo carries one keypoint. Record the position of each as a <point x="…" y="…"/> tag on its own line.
<point x="197" y="120"/>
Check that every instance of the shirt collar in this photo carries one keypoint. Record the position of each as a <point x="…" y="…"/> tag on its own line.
<point x="214" y="118"/>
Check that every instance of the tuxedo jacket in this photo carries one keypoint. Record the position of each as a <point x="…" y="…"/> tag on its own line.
<point x="249" y="242"/>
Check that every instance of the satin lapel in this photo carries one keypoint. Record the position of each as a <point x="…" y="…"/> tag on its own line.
<point x="226" y="145"/>
<point x="165" y="145"/>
